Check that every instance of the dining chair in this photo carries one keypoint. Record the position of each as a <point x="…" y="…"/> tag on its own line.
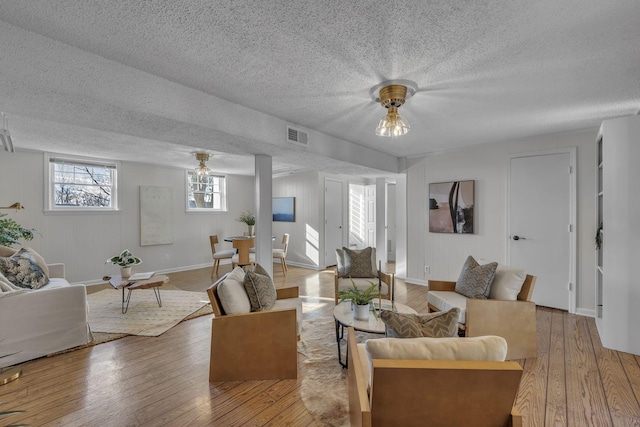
<point x="281" y="254"/>
<point x="243" y="257"/>
<point x="217" y="256"/>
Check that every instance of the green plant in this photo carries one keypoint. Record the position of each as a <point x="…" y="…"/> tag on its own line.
<point x="11" y="232"/>
<point x="358" y="296"/>
<point x="599" y="237"/>
<point x="247" y="217"/>
<point x="125" y="259"/>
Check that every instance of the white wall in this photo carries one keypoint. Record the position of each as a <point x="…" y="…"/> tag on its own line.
<point x="83" y="241"/>
<point x="487" y="165"/>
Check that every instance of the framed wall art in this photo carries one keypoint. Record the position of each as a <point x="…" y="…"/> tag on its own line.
<point x="284" y="209"/>
<point x="451" y="207"/>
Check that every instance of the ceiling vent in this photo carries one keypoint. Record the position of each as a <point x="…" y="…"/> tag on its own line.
<point x="296" y="136"/>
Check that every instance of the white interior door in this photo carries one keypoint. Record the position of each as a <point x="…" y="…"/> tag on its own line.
<point x="540" y="218"/>
<point x="370" y="212"/>
<point x="333" y="220"/>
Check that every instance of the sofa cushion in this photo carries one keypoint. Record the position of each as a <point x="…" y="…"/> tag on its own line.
<point x="435" y="325"/>
<point x="362" y="284"/>
<point x="508" y="283"/>
<point x="260" y="289"/>
<point x="6" y="252"/>
<point x="446" y="300"/>
<point x="357" y="263"/>
<point x="475" y="279"/>
<point x="232" y="294"/>
<point x="291" y="303"/>
<point x="487" y="348"/>
<point x="22" y="270"/>
<point x="340" y="262"/>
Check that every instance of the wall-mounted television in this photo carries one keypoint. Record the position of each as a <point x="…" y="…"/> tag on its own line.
<point x="284" y="209"/>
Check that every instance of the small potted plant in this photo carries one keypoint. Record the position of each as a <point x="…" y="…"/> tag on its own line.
<point x="11" y="232"/>
<point x="248" y="218"/>
<point x="125" y="260"/>
<point x="361" y="299"/>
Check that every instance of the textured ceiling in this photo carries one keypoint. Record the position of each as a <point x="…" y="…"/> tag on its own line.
<point x="159" y="80"/>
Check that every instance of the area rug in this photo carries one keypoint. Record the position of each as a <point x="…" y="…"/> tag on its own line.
<point x="143" y="317"/>
<point x="324" y="388"/>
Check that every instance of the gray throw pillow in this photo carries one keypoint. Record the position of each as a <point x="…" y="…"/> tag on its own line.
<point x="22" y="270"/>
<point x="260" y="289"/>
<point x="441" y="324"/>
<point x="475" y="280"/>
<point x="357" y="263"/>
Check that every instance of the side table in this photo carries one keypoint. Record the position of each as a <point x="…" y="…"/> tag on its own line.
<point x="154" y="282"/>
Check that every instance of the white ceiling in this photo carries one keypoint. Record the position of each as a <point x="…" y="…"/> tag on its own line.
<point x="156" y="81"/>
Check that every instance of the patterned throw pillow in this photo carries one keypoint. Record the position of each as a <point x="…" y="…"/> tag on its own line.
<point x="340" y="262"/>
<point x="22" y="270"/>
<point x="260" y="289"/>
<point x="441" y="324"/>
<point x="357" y="263"/>
<point x="475" y="279"/>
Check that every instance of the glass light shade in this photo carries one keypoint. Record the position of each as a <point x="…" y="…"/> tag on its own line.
<point x="392" y="124"/>
<point x="202" y="170"/>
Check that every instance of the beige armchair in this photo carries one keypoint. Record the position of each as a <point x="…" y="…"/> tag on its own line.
<point x="411" y="392"/>
<point x="515" y="321"/>
<point x="281" y="254"/>
<point x="258" y="345"/>
<point x="363" y="283"/>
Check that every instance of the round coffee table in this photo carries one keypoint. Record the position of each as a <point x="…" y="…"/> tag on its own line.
<point x="343" y="314"/>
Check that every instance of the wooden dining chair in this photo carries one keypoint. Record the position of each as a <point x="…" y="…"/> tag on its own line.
<point x="281" y="254"/>
<point x="243" y="257"/>
<point x="217" y="256"/>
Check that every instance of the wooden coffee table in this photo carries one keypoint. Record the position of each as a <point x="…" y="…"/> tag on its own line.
<point x="343" y="315"/>
<point x="154" y="282"/>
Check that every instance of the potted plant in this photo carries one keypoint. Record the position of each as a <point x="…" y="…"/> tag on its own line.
<point x="248" y="218"/>
<point x="361" y="299"/>
<point x="11" y="232"/>
<point x="125" y="260"/>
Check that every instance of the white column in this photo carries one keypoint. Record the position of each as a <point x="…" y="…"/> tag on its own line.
<point x="381" y="220"/>
<point x="264" y="218"/>
<point x="401" y="225"/>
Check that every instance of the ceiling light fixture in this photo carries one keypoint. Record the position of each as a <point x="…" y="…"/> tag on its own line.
<point x="392" y="95"/>
<point x="202" y="169"/>
<point x="5" y="136"/>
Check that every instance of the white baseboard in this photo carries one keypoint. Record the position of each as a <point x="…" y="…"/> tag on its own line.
<point x="416" y="281"/>
<point x="586" y="312"/>
<point x="303" y="265"/>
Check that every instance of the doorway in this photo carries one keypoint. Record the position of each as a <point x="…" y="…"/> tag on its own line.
<point x="541" y="220"/>
<point x="333" y="220"/>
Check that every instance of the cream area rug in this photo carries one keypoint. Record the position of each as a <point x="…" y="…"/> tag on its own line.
<point x="143" y="317"/>
<point x="324" y="387"/>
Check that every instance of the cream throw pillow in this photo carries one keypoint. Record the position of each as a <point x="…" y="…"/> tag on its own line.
<point x="507" y="282"/>
<point x="232" y="294"/>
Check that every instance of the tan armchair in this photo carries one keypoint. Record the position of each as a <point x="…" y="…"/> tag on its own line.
<point x="431" y="392"/>
<point x="515" y="321"/>
<point x="363" y="283"/>
<point x="258" y="345"/>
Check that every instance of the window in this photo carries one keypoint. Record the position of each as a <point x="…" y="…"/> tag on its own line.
<point x="76" y="184"/>
<point x="206" y="192"/>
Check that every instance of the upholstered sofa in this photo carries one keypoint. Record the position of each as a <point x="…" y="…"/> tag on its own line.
<point x="250" y="344"/>
<point x="432" y="381"/>
<point x="36" y="323"/>
<point x="507" y="312"/>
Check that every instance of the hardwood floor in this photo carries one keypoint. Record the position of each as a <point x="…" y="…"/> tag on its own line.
<point x="150" y="381"/>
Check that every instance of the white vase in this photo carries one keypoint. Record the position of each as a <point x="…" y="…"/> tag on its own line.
<point x="125" y="272"/>
<point x="250" y="229"/>
<point x="362" y="312"/>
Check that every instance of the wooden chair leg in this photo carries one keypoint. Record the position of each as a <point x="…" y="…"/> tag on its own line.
<point x="217" y="265"/>
<point x="213" y="268"/>
<point x="284" y="266"/>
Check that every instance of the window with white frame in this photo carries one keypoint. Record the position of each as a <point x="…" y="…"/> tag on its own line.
<point x="78" y="184"/>
<point x="206" y="192"/>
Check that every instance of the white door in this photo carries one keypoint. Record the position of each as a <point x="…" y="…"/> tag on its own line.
<point x="540" y="217"/>
<point x="370" y="212"/>
<point x="333" y="220"/>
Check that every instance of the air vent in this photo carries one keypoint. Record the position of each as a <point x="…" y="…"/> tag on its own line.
<point x="296" y="136"/>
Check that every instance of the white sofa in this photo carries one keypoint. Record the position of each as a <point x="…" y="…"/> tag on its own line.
<point x="44" y="321"/>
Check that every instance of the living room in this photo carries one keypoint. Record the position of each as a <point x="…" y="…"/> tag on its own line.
<point x="146" y="88"/>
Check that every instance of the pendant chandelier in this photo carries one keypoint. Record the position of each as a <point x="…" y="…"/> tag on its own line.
<point x="202" y="169"/>
<point x="392" y="95"/>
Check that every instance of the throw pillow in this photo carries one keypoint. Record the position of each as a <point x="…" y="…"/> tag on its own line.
<point x="441" y="324"/>
<point x="508" y="283"/>
<point x="233" y="296"/>
<point x="340" y="262"/>
<point x="260" y="289"/>
<point x="22" y="270"/>
<point x="358" y="263"/>
<point x="475" y="279"/>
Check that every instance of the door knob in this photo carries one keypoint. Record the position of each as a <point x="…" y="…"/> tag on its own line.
<point x="518" y="238"/>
